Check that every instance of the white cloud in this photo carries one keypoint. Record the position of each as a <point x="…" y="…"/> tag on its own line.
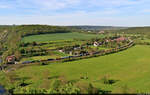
<point x="145" y="11"/>
<point x="3" y="6"/>
<point x="49" y="4"/>
<point x="117" y="2"/>
<point x="98" y="12"/>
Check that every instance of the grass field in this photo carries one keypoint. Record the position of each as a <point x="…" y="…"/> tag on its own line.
<point x="146" y="40"/>
<point x="59" y="36"/>
<point x="56" y="54"/>
<point x="130" y="67"/>
<point x="39" y="58"/>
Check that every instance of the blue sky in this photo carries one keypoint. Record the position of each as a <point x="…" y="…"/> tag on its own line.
<point x="76" y="12"/>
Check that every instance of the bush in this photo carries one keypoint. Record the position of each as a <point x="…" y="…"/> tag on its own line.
<point x="42" y="63"/>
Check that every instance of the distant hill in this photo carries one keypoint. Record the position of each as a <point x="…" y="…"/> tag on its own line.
<point x="134" y="30"/>
<point x="97" y="27"/>
<point x="41" y="29"/>
<point x="5" y="27"/>
<point x="29" y="29"/>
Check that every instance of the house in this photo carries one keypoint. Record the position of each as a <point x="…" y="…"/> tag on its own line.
<point x="11" y="59"/>
<point x="77" y="53"/>
<point x="70" y="53"/>
<point x="120" y="39"/>
<point x="112" y="40"/>
<point x="16" y="62"/>
<point x="61" y="50"/>
<point x="107" y="40"/>
<point x="101" y="32"/>
<point x="77" y="48"/>
<point x="96" y="44"/>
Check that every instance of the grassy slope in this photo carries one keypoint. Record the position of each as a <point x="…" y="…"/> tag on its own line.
<point x="58" y="36"/>
<point x="130" y="67"/>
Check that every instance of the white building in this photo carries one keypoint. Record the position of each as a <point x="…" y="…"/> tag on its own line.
<point x="96" y="44"/>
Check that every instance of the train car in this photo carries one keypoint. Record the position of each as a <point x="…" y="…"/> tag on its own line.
<point x="81" y="54"/>
<point x="77" y="56"/>
<point x="71" y="56"/>
<point x="113" y="49"/>
<point x="26" y="62"/>
<point x="65" y="57"/>
<point x="87" y="54"/>
<point x="43" y="60"/>
<point x="50" y="59"/>
<point x="58" y="58"/>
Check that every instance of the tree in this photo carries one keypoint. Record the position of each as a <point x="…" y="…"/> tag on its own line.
<point x="17" y="55"/>
<point x="34" y="43"/>
<point x="23" y="51"/>
<point x="55" y="84"/>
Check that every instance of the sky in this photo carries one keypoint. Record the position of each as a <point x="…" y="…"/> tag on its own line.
<point x="76" y="12"/>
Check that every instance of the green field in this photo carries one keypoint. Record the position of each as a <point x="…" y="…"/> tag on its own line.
<point x="59" y="36"/>
<point x="130" y="67"/>
<point x="146" y="40"/>
<point x="56" y="54"/>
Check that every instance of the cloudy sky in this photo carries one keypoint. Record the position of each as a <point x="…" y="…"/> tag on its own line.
<point x="76" y="12"/>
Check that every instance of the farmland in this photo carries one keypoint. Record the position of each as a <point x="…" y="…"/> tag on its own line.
<point x="59" y="36"/>
<point x="51" y="43"/>
<point x="130" y="68"/>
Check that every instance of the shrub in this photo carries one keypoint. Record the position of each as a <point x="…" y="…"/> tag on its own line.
<point x="42" y="63"/>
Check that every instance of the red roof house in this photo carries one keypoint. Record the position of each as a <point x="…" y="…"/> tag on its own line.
<point x="11" y="59"/>
<point x="120" y="39"/>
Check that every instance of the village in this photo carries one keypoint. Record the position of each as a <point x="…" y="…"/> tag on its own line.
<point x="91" y="48"/>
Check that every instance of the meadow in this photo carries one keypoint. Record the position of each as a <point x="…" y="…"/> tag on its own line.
<point x="59" y="36"/>
<point x="55" y="54"/>
<point x="130" y="69"/>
